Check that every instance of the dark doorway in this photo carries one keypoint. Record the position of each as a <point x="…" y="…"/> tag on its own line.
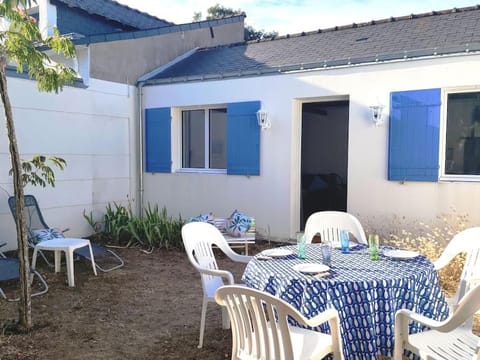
<point x="324" y="158"/>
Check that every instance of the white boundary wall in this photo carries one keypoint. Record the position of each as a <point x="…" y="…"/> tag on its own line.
<point x="93" y="129"/>
<point x="273" y="197"/>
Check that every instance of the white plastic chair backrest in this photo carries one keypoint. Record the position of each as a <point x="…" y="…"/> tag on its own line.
<point x="250" y="313"/>
<point x="198" y="238"/>
<point x="329" y="224"/>
<point x="467" y="307"/>
<point x="466" y="241"/>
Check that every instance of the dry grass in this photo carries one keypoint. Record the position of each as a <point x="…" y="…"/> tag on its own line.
<point x="429" y="239"/>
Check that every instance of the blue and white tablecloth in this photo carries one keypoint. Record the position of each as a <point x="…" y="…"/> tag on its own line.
<point x="366" y="293"/>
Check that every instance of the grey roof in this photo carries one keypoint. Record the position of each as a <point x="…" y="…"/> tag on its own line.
<point x="123" y="14"/>
<point x="430" y="34"/>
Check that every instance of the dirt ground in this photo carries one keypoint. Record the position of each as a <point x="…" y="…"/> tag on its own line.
<point x="149" y="309"/>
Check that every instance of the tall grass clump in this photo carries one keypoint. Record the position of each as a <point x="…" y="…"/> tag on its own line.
<point x="156" y="229"/>
<point x="117" y="218"/>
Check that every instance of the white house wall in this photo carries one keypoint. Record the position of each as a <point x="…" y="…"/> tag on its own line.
<point x="273" y="197"/>
<point x="93" y="129"/>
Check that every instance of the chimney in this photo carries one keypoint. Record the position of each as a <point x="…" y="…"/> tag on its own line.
<point x="47" y="17"/>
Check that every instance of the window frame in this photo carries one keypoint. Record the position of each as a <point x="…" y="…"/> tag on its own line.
<point x="179" y="117"/>
<point x="443" y="135"/>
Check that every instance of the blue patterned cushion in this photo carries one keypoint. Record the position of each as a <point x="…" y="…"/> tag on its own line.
<point x="238" y="224"/>
<point x="203" y="218"/>
<point x="46" y="234"/>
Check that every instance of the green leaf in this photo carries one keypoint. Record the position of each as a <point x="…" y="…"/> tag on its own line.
<point x="37" y="171"/>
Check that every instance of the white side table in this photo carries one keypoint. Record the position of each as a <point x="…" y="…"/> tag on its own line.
<point x="68" y="245"/>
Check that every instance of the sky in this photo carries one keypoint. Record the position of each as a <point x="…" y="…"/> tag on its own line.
<point x="292" y="17"/>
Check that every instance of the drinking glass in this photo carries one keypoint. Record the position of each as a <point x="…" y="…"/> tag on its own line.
<point x="301" y="246"/>
<point x="373" y="246"/>
<point x="326" y="253"/>
<point x="345" y="241"/>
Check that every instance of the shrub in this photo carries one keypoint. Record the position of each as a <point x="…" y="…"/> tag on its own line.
<point x="117" y="218"/>
<point x="154" y="230"/>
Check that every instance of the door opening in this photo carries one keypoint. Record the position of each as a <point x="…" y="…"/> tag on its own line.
<point x="324" y="157"/>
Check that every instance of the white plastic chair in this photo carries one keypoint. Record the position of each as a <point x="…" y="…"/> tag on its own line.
<point x="329" y="224"/>
<point x="466" y="241"/>
<point x="450" y="339"/>
<point x="198" y="239"/>
<point x="260" y="328"/>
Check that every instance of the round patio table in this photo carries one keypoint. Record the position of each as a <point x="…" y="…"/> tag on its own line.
<point x="366" y="293"/>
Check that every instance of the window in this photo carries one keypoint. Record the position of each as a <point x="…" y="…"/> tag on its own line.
<point x="419" y="151"/>
<point x="204" y="138"/>
<point x="223" y="140"/>
<point x="462" y="138"/>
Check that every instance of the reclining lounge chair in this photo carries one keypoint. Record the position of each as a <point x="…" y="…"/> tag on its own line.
<point x="9" y="270"/>
<point x="105" y="259"/>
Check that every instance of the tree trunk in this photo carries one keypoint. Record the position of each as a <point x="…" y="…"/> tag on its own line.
<point x="25" y="304"/>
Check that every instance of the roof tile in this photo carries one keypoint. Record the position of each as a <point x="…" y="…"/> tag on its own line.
<point x="424" y="34"/>
<point x="123" y="14"/>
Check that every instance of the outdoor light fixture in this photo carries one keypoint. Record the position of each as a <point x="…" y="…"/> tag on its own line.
<point x="263" y="120"/>
<point x="377" y="116"/>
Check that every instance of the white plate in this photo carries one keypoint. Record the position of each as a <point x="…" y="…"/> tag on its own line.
<point x="351" y="244"/>
<point x="277" y="252"/>
<point x="311" y="268"/>
<point x="400" y="254"/>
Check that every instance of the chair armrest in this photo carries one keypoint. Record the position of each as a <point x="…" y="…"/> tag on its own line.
<point x="239" y="258"/>
<point x="444" y="259"/>
<point x="321" y="318"/>
<point x="227" y="275"/>
<point x="330" y="316"/>
<point x="409" y="315"/>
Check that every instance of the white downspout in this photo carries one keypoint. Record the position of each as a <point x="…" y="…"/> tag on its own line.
<point x="140" y="147"/>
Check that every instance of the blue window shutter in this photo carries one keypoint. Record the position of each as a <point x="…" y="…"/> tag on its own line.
<point x="158" y="152"/>
<point x="414" y="135"/>
<point x="243" y="138"/>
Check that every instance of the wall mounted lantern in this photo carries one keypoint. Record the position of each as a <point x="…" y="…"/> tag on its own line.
<point x="377" y="114"/>
<point x="263" y="120"/>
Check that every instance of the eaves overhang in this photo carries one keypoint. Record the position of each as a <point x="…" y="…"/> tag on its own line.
<point x="11" y="71"/>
